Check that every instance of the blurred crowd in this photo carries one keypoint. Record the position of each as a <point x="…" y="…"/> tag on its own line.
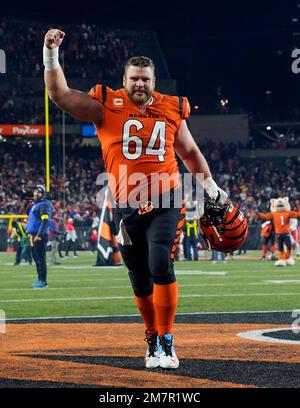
<point x="253" y="182"/>
<point x="250" y="183"/>
<point x="105" y="49"/>
<point x="290" y="139"/>
<point x="21" y="172"/>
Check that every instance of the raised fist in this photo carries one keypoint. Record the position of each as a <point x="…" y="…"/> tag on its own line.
<point x="54" y="38"/>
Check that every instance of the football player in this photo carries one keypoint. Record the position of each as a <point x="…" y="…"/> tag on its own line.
<point x="140" y="130"/>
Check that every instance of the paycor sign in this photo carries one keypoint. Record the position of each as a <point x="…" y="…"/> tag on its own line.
<point x="24" y="130"/>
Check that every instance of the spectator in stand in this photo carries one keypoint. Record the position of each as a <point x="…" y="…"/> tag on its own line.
<point x="93" y="240"/>
<point x="54" y="239"/>
<point x="71" y="237"/>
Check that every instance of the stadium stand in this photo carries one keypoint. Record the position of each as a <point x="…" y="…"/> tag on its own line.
<point x="106" y="48"/>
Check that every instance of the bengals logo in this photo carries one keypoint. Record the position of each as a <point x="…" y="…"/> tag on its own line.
<point x="145" y="208"/>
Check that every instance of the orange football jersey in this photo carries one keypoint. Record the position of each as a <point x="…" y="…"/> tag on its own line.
<point x="281" y="220"/>
<point x="137" y="141"/>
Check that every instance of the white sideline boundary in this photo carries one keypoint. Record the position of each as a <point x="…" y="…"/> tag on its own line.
<point x="138" y="315"/>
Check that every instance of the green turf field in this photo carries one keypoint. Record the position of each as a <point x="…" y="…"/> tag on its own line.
<point x="78" y="289"/>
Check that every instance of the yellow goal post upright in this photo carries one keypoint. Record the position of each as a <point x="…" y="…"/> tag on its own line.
<point x="11" y="217"/>
<point x="47" y="153"/>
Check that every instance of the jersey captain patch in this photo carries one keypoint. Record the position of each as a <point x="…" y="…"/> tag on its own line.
<point x="118" y="101"/>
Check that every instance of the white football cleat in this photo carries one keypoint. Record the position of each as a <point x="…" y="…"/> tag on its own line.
<point x="166" y="351"/>
<point x="151" y="358"/>
<point x="290" y="261"/>
<point x="280" y="262"/>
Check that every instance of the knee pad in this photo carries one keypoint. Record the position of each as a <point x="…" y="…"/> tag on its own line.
<point x="159" y="260"/>
<point x="161" y="266"/>
<point x="142" y="285"/>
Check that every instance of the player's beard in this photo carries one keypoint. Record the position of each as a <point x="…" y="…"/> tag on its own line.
<point x="139" y="99"/>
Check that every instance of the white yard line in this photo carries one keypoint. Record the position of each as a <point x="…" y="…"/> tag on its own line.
<point x="188" y="272"/>
<point x="128" y="286"/>
<point x="22" y="279"/>
<point x="72" y="267"/>
<point x="97" y="277"/>
<point x="78" y="267"/>
<point x="273" y="282"/>
<point x="102" y="270"/>
<point x="130" y="297"/>
<point x="113" y="287"/>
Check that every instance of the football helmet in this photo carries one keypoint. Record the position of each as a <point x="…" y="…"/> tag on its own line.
<point x="40" y="188"/>
<point x="223" y="226"/>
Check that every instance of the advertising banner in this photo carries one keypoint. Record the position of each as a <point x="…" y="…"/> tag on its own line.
<point x="24" y="130"/>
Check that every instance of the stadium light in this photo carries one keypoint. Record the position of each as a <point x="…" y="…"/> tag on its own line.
<point x="268" y="127"/>
<point x="224" y="102"/>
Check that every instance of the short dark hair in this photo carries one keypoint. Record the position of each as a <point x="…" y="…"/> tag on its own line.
<point x="140" y="61"/>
